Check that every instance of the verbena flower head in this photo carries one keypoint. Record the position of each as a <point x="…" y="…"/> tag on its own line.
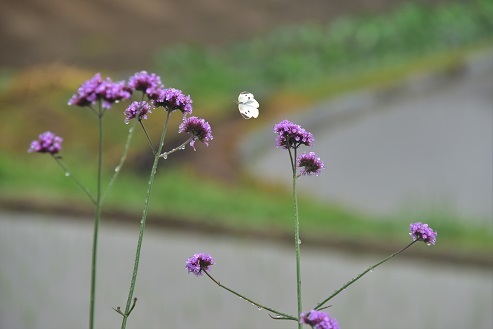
<point x="86" y="94"/>
<point x="199" y="128"/>
<point x="312" y="165"/>
<point x="47" y="142"/>
<point x="150" y="84"/>
<point x="174" y="99"/>
<point x="96" y="88"/>
<point x="198" y="263"/>
<point x="291" y="135"/>
<point x="319" y="320"/>
<point x="422" y="232"/>
<point x="137" y="110"/>
<point x="112" y="92"/>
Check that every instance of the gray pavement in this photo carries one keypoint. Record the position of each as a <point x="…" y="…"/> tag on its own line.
<point x="44" y="282"/>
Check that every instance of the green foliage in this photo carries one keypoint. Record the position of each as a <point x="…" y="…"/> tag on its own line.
<point x="301" y="55"/>
<point x="180" y="194"/>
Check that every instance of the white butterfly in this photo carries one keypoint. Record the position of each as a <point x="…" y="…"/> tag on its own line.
<point x="247" y="105"/>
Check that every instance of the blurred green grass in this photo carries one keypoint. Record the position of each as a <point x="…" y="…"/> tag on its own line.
<point x="253" y="205"/>
<point x="307" y="62"/>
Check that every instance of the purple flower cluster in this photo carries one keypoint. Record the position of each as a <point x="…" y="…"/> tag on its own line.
<point x="137" y="110"/>
<point x="198" y="128"/>
<point x="150" y="84"/>
<point x="48" y="142"/>
<point x="319" y="320"/>
<point x="96" y="88"/>
<point x="422" y="232"/>
<point x="291" y="135"/>
<point x="174" y="99"/>
<point x="198" y="263"/>
<point x="311" y="163"/>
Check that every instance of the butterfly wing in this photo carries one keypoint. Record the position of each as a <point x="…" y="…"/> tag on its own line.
<point x="244" y="97"/>
<point x="248" y="111"/>
<point x="252" y="102"/>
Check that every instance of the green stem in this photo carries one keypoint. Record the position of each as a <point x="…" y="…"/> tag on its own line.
<point x="148" y="139"/>
<point x="96" y="223"/>
<point x="122" y="160"/>
<point x="321" y="304"/>
<point x="260" y="306"/>
<point x="142" y="225"/>
<point x="68" y="173"/>
<point x="297" y="240"/>
<point x="181" y="147"/>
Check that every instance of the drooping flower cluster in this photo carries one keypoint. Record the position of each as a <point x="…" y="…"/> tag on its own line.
<point x="47" y="142"/>
<point x="311" y="163"/>
<point x="198" y="263"/>
<point x="137" y="110"/>
<point x="148" y="83"/>
<point x="291" y="135"/>
<point x="198" y="128"/>
<point x="97" y="89"/>
<point x="319" y="320"/>
<point x="422" y="232"/>
<point x="174" y="99"/>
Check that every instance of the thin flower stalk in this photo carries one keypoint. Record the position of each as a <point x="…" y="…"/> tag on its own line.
<point x="76" y="180"/>
<point x="142" y="225"/>
<point x="122" y="160"/>
<point x="259" y="306"/>
<point x="148" y="139"/>
<point x="296" y="234"/>
<point x="97" y="219"/>
<point x="164" y="155"/>
<point x="369" y="269"/>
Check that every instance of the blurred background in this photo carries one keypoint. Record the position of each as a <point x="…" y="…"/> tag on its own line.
<point x="399" y="97"/>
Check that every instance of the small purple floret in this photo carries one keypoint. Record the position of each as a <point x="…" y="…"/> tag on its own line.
<point x="86" y="94"/>
<point x="198" y="263"/>
<point x="291" y="135"/>
<point x="311" y="163"/>
<point x="137" y="110"/>
<point x="198" y="128"/>
<point x="319" y="320"/>
<point x="48" y="142"/>
<point x="150" y="84"/>
<point x="422" y="232"/>
<point x="174" y="99"/>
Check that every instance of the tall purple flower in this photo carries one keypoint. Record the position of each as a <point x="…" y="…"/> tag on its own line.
<point x="198" y="263"/>
<point x="291" y="135"/>
<point x="150" y="84"/>
<point x="137" y="110"/>
<point x="311" y="163"/>
<point x="96" y="88"/>
<point x="319" y="320"/>
<point x="47" y="142"/>
<point x="422" y="232"/>
<point x="198" y="128"/>
<point x="174" y="99"/>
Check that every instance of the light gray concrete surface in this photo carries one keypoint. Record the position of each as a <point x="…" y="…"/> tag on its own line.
<point x="45" y="272"/>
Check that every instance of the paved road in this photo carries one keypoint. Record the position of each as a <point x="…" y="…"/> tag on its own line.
<point x="44" y="282"/>
<point x="421" y="149"/>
